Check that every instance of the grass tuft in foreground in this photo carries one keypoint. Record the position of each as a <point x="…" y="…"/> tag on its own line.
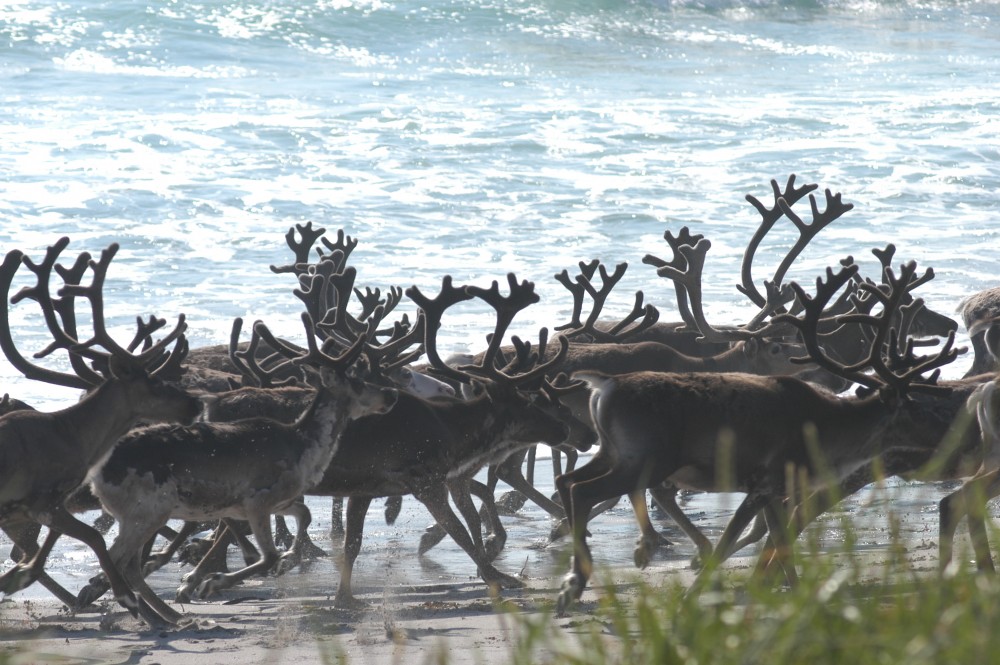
<point x="843" y="610"/>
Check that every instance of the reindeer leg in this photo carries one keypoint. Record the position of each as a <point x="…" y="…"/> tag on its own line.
<point x="161" y="558"/>
<point x="665" y="496"/>
<point x="259" y="518"/>
<point x="510" y="502"/>
<point x="282" y="535"/>
<point x="213" y="561"/>
<point x="596" y="487"/>
<point x="596" y="467"/>
<point x="461" y="493"/>
<point x="393" y="506"/>
<point x="777" y="527"/>
<point x="300" y="545"/>
<point x="748" y="508"/>
<point x="951" y="509"/>
<point x="974" y="494"/>
<point x="61" y="520"/>
<point x="31" y="570"/>
<point x="492" y="544"/>
<point x="435" y="498"/>
<point x="238" y="530"/>
<point x="988" y="487"/>
<point x="513" y="477"/>
<point x="357" y="510"/>
<point x="132" y="570"/>
<point x="336" y="518"/>
<point x="649" y="538"/>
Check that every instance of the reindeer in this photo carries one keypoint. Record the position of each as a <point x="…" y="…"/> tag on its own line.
<point x="46" y="456"/>
<point x="981" y="316"/>
<point x="243" y="470"/>
<point x="745" y="429"/>
<point x="422" y="447"/>
<point x="970" y="499"/>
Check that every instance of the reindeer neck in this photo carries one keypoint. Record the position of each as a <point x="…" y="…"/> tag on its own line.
<point x="326" y="416"/>
<point x="99" y="420"/>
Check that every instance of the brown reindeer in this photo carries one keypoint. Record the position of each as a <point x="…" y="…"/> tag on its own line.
<point x="46" y="456"/>
<point x="746" y="430"/>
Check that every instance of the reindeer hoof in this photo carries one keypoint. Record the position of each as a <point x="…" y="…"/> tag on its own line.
<point x="493" y="544"/>
<point x="193" y="551"/>
<point x="495" y="578"/>
<point x="645" y="548"/>
<point x="347" y="601"/>
<point x="510" y="502"/>
<point x="286" y="562"/>
<point x="183" y="594"/>
<point x="431" y="537"/>
<point x="569" y="593"/>
<point x="15" y="579"/>
<point x="559" y="531"/>
<point x="211" y="584"/>
<point x="393" y="506"/>
<point x="97" y="587"/>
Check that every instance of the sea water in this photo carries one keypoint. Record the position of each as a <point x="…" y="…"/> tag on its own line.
<point x="483" y="137"/>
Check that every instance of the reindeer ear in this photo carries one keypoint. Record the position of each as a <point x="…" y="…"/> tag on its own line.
<point x="751" y="347"/>
<point x="992" y="339"/>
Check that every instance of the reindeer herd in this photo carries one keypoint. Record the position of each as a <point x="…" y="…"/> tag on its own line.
<point x="236" y="435"/>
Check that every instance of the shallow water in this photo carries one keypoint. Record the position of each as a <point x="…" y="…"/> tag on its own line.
<point x="474" y="139"/>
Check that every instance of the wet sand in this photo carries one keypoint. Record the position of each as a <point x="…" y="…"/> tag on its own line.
<point x="416" y="607"/>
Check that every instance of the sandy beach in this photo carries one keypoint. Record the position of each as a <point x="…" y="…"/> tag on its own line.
<point x="418" y="609"/>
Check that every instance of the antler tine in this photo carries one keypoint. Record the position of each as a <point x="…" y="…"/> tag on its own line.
<point x="769" y="216"/>
<point x="584" y="284"/>
<point x="600" y="296"/>
<point x="389" y="354"/>
<point x="834" y="209"/>
<point x="887" y="340"/>
<point x="678" y="262"/>
<point x="345" y="245"/>
<point x="144" y="332"/>
<point x="808" y="324"/>
<point x="432" y="310"/>
<point x="776" y="298"/>
<point x="246" y="360"/>
<point x="326" y="294"/>
<point x="10" y="265"/>
<point x="646" y="315"/>
<point x="884" y="257"/>
<point x="899" y="289"/>
<point x="65" y="306"/>
<point x="691" y="279"/>
<point x="560" y="385"/>
<point x="525" y="358"/>
<point x="374" y="307"/>
<point x="301" y="248"/>
<point x="521" y="296"/>
<point x="577" y="289"/>
<point x="171" y="368"/>
<point x="41" y="294"/>
<point x="101" y="337"/>
<point x="314" y="355"/>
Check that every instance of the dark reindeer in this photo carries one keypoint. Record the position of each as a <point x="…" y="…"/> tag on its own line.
<point x="45" y="457"/>
<point x="246" y="470"/>
<point x="701" y="427"/>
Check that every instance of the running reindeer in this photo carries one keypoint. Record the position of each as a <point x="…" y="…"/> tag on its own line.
<point x="246" y="470"/>
<point x="45" y="457"/>
<point x="423" y="447"/>
<point x="696" y="428"/>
